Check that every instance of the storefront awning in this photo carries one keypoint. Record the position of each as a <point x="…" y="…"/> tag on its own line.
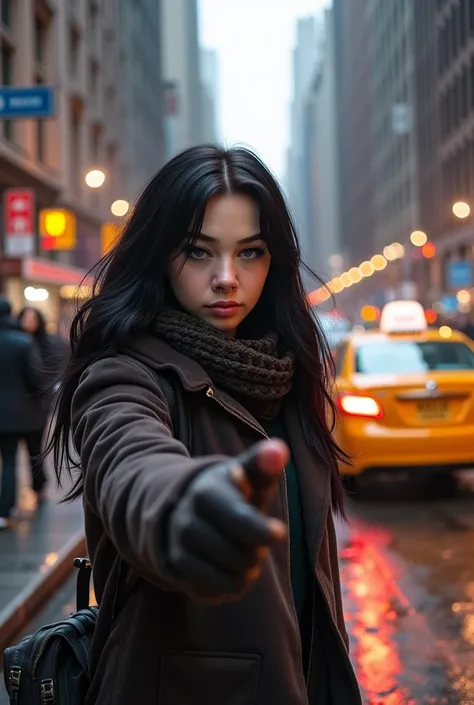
<point x="43" y="271"/>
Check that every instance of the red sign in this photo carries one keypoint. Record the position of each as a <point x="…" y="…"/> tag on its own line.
<point x="19" y="221"/>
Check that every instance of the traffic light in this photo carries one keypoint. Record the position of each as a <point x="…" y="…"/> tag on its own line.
<point x="109" y="233"/>
<point x="57" y="228"/>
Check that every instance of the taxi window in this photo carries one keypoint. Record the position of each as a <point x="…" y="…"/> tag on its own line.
<point x="409" y="357"/>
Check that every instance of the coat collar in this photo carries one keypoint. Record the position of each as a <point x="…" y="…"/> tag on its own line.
<point x="155" y="353"/>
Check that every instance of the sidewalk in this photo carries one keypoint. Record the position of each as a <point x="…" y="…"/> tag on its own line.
<point x="36" y="554"/>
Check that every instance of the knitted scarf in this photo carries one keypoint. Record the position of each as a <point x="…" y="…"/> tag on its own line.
<point x="252" y="371"/>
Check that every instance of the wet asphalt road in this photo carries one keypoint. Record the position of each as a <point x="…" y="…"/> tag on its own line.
<point x="407" y="566"/>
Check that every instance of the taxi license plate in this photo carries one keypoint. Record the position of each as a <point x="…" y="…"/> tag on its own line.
<point x="433" y="409"/>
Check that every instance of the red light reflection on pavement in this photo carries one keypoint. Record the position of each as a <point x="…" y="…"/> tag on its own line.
<point x="372" y="607"/>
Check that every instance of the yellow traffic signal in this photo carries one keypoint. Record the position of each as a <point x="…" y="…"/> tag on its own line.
<point x="57" y="228"/>
<point x="109" y="233"/>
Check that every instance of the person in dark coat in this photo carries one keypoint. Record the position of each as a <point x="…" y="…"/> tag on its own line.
<point x="22" y="404"/>
<point x="53" y="348"/>
<point x="54" y="352"/>
<point x="209" y="518"/>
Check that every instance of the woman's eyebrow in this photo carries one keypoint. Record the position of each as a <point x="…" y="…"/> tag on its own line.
<point x="250" y="238"/>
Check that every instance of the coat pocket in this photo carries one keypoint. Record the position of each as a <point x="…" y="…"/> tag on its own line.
<point x="203" y="678"/>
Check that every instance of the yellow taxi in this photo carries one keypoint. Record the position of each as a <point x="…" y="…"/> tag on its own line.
<point x="405" y="395"/>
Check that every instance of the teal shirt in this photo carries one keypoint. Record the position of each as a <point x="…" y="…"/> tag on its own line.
<point x="300" y="567"/>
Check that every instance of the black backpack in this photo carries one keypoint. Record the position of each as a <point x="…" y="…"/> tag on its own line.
<point x="52" y="666"/>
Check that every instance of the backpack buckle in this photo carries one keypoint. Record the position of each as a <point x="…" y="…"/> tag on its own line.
<point x="14" y="676"/>
<point x="47" y="692"/>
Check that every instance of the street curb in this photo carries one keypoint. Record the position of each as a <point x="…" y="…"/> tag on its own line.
<point x="27" y="603"/>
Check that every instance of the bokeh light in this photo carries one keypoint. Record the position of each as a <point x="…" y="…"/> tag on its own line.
<point x="461" y="209"/>
<point x="418" y="238"/>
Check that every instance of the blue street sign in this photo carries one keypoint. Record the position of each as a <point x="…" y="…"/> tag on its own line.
<point x="34" y="102"/>
<point x="459" y="275"/>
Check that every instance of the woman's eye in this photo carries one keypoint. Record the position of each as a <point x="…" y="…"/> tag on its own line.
<point x="252" y="252"/>
<point x="196" y="253"/>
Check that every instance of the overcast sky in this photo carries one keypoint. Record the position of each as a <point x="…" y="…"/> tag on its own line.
<point x="254" y="44"/>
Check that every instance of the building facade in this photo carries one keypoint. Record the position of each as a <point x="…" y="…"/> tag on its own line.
<point x="322" y="180"/>
<point x="405" y="86"/>
<point x="354" y="79"/>
<point x="210" y="95"/>
<point x="140" y="94"/>
<point x="181" y="59"/>
<point x="448" y="40"/>
<point x="305" y="54"/>
<point x="102" y="58"/>
<point x="394" y="155"/>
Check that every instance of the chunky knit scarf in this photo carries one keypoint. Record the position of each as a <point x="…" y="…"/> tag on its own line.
<point x="252" y="371"/>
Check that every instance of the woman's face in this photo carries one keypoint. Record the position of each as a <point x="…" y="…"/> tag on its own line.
<point x="221" y="277"/>
<point x="29" y="321"/>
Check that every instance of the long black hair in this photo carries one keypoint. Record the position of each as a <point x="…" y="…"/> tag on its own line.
<point x="130" y="289"/>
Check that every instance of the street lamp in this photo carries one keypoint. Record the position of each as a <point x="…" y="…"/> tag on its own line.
<point x="120" y="208"/>
<point x="461" y="209"/>
<point x="95" y="178"/>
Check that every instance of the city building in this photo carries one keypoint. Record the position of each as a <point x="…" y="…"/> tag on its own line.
<point x="394" y="138"/>
<point x="445" y="41"/>
<point x="377" y="136"/>
<point x="377" y="82"/>
<point x="405" y="97"/>
<point x="140" y="93"/>
<point x="102" y="60"/>
<point x="210" y="93"/>
<point x="321" y="185"/>
<point x="305" y="55"/>
<point x="181" y="60"/>
<point x="352" y="36"/>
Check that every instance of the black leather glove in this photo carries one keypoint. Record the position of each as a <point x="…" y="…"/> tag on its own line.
<point x="218" y="534"/>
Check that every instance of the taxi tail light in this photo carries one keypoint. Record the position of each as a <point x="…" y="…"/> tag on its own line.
<point x="356" y="405"/>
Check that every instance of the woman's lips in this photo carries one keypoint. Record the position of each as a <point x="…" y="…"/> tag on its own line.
<point x="223" y="309"/>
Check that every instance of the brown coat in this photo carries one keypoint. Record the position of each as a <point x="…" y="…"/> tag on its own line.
<point x="165" y="648"/>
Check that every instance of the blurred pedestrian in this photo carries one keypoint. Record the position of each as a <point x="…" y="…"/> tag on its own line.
<point x="53" y="351"/>
<point x="53" y="348"/>
<point x="186" y="512"/>
<point x="22" y="408"/>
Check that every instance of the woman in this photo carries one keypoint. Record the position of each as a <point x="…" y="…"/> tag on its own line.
<point x="52" y="352"/>
<point x="203" y="597"/>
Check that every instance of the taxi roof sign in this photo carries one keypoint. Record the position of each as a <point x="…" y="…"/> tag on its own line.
<point x="403" y="317"/>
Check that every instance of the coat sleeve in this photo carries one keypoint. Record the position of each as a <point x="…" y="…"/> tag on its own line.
<point x="134" y="471"/>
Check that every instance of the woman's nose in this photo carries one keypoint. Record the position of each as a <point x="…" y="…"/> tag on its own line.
<point x="225" y="276"/>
